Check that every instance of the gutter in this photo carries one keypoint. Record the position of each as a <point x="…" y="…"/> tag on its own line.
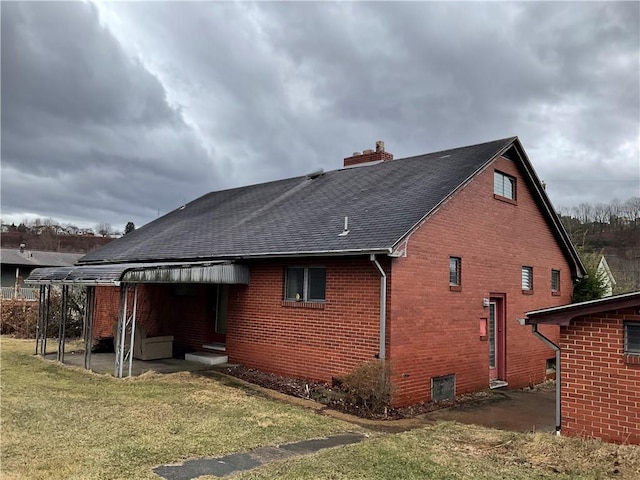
<point x="556" y="348"/>
<point x="252" y="256"/>
<point x="383" y="307"/>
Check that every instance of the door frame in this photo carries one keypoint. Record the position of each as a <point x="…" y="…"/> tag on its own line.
<point x="500" y="301"/>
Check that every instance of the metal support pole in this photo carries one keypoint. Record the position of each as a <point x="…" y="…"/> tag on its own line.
<point x="41" y="300"/>
<point x="122" y="331"/>
<point x="47" y="309"/>
<point x="133" y="326"/>
<point x="88" y="326"/>
<point x="62" y="324"/>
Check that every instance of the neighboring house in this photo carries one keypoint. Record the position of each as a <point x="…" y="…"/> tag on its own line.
<point x="599" y="366"/>
<point x="17" y="264"/>
<point x="626" y="272"/>
<point x="604" y="272"/>
<point x="426" y="262"/>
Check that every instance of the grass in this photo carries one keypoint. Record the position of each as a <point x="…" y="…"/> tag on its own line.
<point x="449" y="450"/>
<point x="60" y="422"/>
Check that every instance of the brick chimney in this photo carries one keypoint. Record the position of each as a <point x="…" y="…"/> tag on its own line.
<point x="369" y="155"/>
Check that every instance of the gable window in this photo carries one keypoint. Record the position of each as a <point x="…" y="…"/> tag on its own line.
<point x="632" y="338"/>
<point x="555" y="282"/>
<point x="504" y="185"/>
<point x="305" y="284"/>
<point x="455" y="278"/>
<point x="527" y="279"/>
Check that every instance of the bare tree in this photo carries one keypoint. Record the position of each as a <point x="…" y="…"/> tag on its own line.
<point x="104" y="229"/>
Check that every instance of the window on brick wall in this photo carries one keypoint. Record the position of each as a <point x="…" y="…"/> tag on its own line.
<point x="455" y="272"/>
<point x="632" y="338"/>
<point x="555" y="281"/>
<point x="504" y="185"/>
<point x="305" y="284"/>
<point x="527" y="279"/>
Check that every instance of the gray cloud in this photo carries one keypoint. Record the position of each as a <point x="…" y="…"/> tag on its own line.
<point x="139" y="107"/>
<point x="87" y="132"/>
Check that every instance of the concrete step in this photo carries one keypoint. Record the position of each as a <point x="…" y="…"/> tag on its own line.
<point x="206" y="358"/>
<point x="494" y="384"/>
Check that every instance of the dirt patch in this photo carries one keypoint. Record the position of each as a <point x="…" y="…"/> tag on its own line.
<point x="333" y="398"/>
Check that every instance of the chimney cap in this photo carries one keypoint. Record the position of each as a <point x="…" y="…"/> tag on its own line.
<point x="380" y="146"/>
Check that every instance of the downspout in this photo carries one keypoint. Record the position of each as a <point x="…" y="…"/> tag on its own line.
<point x="383" y="307"/>
<point x="556" y="348"/>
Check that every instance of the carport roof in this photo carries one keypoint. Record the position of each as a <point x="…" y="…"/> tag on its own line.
<point x="114" y="274"/>
<point x="564" y="314"/>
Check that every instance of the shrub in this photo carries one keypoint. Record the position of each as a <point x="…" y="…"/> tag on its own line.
<point x="368" y="386"/>
<point x="592" y="286"/>
<point x="20" y="318"/>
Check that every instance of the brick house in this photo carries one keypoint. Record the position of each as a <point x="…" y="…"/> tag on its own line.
<point x="426" y="262"/>
<point x="600" y="366"/>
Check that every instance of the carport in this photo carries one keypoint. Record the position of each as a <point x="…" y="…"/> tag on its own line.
<point x="127" y="276"/>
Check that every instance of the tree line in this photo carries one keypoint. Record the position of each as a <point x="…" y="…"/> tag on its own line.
<point x="50" y="226"/>
<point x="615" y="214"/>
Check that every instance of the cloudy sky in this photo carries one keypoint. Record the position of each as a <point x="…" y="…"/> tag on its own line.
<point x="116" y="112"/>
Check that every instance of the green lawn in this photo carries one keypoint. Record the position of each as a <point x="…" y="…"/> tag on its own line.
<point x="59" y="422"/>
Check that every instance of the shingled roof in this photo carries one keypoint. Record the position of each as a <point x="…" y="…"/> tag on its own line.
<point x="305" y="215"/>
<point x="37" y="258"/>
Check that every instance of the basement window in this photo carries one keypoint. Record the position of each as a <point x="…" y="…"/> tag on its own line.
<point x="632" y="338"/>
<point x="443" y="388"/>
<point x="551" y="365"/>
<point x="504" y="185"/>
<point x="305" y="284"/>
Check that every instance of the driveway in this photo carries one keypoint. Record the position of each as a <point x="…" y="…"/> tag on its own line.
<point x="518" y="411"/>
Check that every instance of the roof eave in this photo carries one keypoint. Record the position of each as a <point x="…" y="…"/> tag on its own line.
<point x="462" y="184"/>
<point x="563" y="315"/>
<point x="579" y="269"/>
<point x="262" y="255"/>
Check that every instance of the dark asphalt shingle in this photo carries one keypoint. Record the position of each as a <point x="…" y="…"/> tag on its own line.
<point x="302" y="215"/>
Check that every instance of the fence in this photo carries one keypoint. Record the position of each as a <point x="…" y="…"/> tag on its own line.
<point x="21" y="293"/>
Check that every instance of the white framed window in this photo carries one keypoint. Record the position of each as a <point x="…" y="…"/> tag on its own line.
<point x="555" y="281"/>
<point x="455" y="271"/>
<point x="504" y="185"/>
<point x="527" y="278"/>
<point x="305" y="284"/>
<point x="632" y="338"/>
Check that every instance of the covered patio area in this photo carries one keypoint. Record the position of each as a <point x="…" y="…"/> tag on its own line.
<point x="128" y="277"/>
<point x="103" y="363"/>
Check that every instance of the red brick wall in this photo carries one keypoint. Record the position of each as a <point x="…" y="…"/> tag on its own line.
<point x="151" y="310"/>
<point x="600" y="391"/>
<point x="106" y="311"/>
<point x="434" y="331"/>
<point x="294" y="339"/>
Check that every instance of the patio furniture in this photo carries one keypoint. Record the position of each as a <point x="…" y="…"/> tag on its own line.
<point x="148" y="348"/>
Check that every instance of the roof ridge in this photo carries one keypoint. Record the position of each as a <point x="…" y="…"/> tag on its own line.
<point x="500" y="140"/>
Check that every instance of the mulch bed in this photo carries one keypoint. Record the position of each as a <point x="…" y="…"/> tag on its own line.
<point x="334" y="398"/>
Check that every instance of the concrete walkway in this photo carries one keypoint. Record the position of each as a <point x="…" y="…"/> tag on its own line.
<point x="238" y="462"/>
<point x="517" y="411"/>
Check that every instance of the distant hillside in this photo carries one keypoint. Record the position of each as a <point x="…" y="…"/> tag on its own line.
<point x="611" y="230"/>
<point x="52" y="242"/>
